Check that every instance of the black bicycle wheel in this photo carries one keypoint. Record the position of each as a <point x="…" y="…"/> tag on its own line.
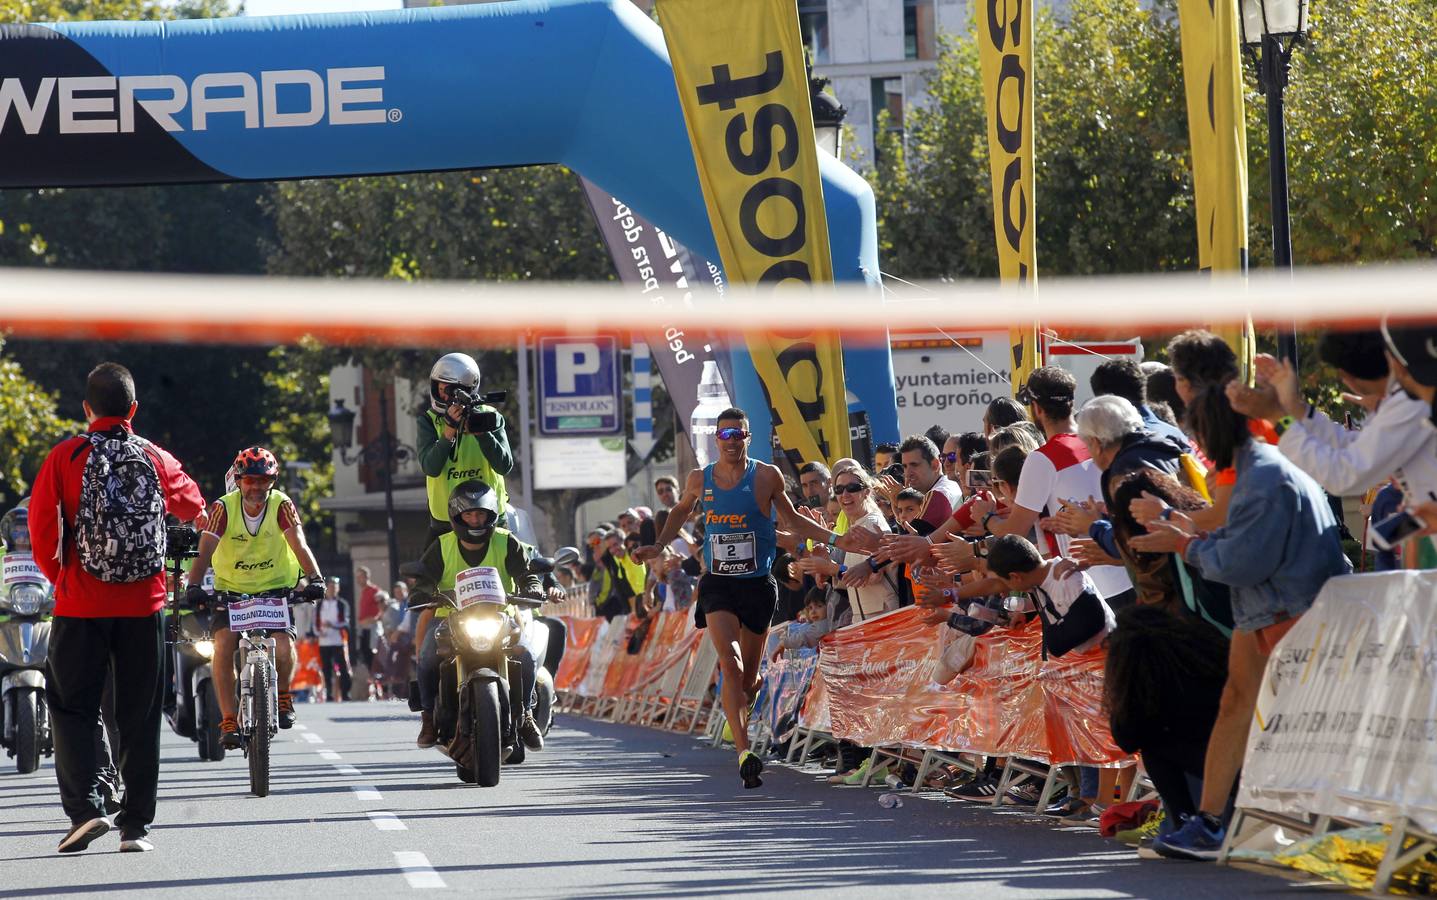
<point x="258" y="749"/>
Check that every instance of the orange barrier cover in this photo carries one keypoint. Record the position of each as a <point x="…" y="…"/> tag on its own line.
<point x="578" y="642"/>
<point x="878" y="679"/>
<point x="306" y="674"/>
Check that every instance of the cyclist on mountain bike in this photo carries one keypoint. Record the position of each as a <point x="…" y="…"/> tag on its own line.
<point x="256" y="544"/>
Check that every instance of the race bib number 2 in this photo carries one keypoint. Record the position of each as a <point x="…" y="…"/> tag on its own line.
<point x="266" y="613"/>
<point x="733" y="553"/>
<point x="480" y="584"/>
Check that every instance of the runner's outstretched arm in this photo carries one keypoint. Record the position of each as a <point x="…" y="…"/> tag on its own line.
<point x="693" y="484"/>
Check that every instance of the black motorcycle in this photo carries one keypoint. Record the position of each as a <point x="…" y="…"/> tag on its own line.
<point x="480" y="704"/>
<point x="191" y="706"/>
<point x="25" y="605"/>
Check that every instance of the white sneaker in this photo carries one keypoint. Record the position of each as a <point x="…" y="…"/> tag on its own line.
<point x="136" y="845"/>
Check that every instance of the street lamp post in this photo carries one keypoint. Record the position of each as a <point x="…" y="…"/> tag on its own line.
<point x="1272" y="29"/>
<point x="384" y="451"/>
<point x="828" y="115"/>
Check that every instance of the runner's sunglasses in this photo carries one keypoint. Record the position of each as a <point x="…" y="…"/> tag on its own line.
<point x="732" y="434"/>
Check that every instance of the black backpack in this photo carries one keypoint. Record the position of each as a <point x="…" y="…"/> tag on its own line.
<point x="120" y="524"/>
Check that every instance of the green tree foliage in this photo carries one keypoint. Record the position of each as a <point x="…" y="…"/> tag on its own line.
<point x="1361" y="135"/>
<point x="22" y="11"/>
<point x="30" y="424"/>
<point x="496" y="225"/>
<point x="203" y="404"/>
<point x="1114" y="185"/>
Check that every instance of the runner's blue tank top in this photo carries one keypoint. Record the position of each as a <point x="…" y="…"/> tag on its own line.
<point x="738" y="537"/>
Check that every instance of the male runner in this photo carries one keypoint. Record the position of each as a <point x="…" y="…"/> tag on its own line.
<point x="737" y="594"/>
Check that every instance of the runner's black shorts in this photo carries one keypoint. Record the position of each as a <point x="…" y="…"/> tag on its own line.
<point x="751" y="599"/>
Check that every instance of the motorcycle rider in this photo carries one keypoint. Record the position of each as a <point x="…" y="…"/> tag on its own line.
<point x="476" y="540"/>
<point x="256" y="543"/>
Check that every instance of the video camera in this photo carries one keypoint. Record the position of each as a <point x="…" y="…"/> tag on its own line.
<point x="183" y="541"/>
<point x="473" y="419"/>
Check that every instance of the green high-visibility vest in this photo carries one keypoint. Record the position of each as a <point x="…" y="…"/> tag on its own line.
<point x="247" y="563"/>
<point x="454" y="563"/>
<point x="468" y="462"/>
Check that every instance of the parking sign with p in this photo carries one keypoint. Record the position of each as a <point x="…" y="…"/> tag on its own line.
<point x="580" y="389"/>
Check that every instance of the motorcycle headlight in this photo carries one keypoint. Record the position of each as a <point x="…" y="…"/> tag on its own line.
<point x="482" y="631"/>
<point x="205" y="649"/>
<point x="27" y="599"/>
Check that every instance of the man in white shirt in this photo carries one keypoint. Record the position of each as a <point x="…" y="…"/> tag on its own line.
<point x="330" y="619"/>
<point x="1059" y="471"/>
<point x="1393" y="442"/>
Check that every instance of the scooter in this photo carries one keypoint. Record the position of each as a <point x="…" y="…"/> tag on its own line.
<point x="26" y="601"/>
<point x="191" y="706"/>
<point x="480" y="706"/>
<point x="536" y="638"/>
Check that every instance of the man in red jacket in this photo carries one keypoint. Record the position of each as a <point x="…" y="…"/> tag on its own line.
<point x="104" y="622"/>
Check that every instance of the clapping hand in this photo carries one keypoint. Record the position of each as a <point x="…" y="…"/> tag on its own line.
<point x="862" y="540"/>
<point x="889" y="487"/>
<point x="817" y="514"/>
<point x="1073" y="519"/>
<point x="817" y="564"/>
<point x="909" y="548"/>
<point x="1147" y="509"/>
<point x="1162" y="537"/>
<point x="955" y="553"/>
<point x="1087" y="553"/>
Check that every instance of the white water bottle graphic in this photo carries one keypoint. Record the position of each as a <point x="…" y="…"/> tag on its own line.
<point x="703" y="424"/>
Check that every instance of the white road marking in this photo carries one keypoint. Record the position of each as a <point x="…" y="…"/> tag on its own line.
<point x="388" y="821"/>
<point x="328" y="754"/>
<point x="299" y="727"/>
<point x="417" y="870"/>
<point x="367" y="793"/>
<point x="348" y="770"/>
<point x="312" y="737"/>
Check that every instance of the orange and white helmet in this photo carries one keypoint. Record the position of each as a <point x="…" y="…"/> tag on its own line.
<point x="256" y="461"/>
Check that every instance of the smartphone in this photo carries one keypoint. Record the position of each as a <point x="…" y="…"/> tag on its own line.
<point x="1395" y="529"/>
<point x="980" y="479"/>
<point x="894" y="471"/>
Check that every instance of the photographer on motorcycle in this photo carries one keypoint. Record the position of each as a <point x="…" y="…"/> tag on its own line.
<point x="256" y="545"/>
<point x="460" y="438"/>
<point x="476" y="540"/>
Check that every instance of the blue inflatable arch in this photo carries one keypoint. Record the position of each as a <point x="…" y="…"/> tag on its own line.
<point x="584" y="83"/>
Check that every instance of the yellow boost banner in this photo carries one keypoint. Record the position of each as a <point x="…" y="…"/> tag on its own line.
<point x="1005" y="50"/>
<point x="740" y="72"/>
<point x="1212" y="81"/>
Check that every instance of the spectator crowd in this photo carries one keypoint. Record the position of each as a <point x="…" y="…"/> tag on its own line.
<point x="1184" y="519"/>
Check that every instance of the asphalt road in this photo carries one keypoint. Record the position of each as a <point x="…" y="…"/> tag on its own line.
<point x="605" y="811"/>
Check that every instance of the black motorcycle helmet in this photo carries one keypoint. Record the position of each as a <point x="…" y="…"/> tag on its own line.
<point x="15" y="530"/>
<point x="470" y="495"/>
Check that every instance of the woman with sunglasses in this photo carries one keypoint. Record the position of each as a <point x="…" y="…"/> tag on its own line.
<point x="742" y="498"/>
<point x="875" y="593"/>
